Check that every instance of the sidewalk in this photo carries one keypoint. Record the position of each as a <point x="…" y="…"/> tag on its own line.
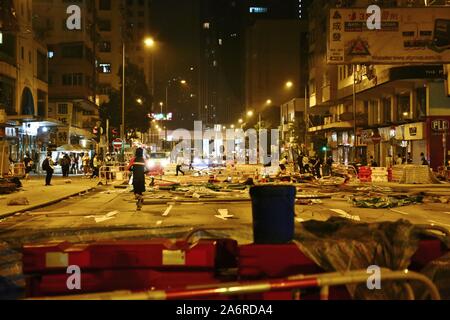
<point x="39" y="195"/>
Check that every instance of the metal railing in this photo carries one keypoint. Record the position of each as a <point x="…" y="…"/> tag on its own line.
<point x="323" y="281"/>
<point x="112" y="173"/>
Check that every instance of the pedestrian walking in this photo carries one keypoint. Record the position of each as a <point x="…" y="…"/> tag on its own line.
<point x="95" y="163"/>
<point x="49" y="167"/>
<point x="282" y="166"/>
<point x="180" y="163"/>
<point x="85" y="163"/>
<point x="317" y="164"/>
<point x="423" y="160"/>
<point x="399" y="160"/>
<point x="28" y="165"/>
<point x="65" y="165"/>
<point x="373" y="162"/>
<point x="329" y="164"/>
<point x="306" y="164"/>
<point x="138" y="168"/>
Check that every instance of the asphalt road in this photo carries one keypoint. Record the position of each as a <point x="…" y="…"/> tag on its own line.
<point x="108" y="213"/>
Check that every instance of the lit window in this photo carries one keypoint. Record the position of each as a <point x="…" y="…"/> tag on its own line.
<point x="105" y="67"/>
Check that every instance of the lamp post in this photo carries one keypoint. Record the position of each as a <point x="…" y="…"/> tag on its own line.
<point x="150" y="43"/>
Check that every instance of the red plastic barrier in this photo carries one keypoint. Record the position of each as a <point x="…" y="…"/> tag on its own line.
<point x="365" y="174"/>
<point x="114" y="280"/>
<point x="273" y="261"/>
<point x="158" y="253"/>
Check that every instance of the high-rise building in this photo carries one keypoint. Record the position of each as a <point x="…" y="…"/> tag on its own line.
<point x="23" y="81"/>
<point x="72" y="73"/>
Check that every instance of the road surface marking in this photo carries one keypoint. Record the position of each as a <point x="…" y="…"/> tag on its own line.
<point x="159" y="222"/>
<point x="398" y="211"/>
<point x="166" y="213"/>
<point x="439" y="223"/>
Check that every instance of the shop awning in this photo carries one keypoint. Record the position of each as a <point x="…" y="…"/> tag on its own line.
<point x="71" y="148"/>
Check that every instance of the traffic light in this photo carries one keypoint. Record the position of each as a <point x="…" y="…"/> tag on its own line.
<point x="324" y="149"/>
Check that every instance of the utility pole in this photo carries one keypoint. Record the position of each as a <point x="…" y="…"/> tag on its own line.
<point x="354" y="112"/>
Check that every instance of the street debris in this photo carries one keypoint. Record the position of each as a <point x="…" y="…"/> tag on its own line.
<point x="8" y="186"/>
<point x="20" y="201"/>
<point x="346" y="215"/>
<point x="385" y="202"/>
<point x="106" y="217"/>
<point x="223" y="214"/>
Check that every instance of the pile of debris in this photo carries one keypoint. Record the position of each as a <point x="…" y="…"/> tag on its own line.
<point x="8" y="186"/>
<point x="386" y="201"/>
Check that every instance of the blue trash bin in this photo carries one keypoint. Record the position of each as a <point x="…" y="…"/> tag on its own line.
<point x="273" y="214"/>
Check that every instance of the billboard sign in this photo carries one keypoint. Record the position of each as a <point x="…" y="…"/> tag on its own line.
<point x="162" y="116"/>
<point x="405" y="36"/>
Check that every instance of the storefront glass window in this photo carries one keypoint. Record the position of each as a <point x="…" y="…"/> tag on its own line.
<point x="403" y="107"/>
<point x="386" y="103"/>
<point x="421" y="106"/>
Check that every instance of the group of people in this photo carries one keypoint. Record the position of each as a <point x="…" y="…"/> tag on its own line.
<point x="306" y="164"/>
<point x="90" y="167"/>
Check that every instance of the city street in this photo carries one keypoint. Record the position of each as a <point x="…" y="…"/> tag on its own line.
<point x="74" y="219"/>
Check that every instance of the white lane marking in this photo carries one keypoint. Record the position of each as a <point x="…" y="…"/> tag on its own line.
<point x="398" y="211"/>
<point x="102" y="219"/>
<point x="166" y="213"/>
<point x="439" y="223"/>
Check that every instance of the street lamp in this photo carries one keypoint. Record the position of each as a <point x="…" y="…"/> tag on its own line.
<point x="150" y="43"/>
<point x="289" y="84"/>
<point x="139" y="101"/>
<point x="241" y="121"/>
<point x="268" y="102"/>
<point x="250" y="114"/>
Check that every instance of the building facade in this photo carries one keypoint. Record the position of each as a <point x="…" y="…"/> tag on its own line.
<point x="23" y="82"/>
<point x="394" y="110"/>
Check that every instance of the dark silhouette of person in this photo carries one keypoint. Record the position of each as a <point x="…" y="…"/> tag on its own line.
<point x="138" y="167"/>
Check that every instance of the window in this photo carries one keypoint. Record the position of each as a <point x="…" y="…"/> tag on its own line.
<point x="41" y="66"/>
<point x="104" y="25"/>
<point x="105" y="46"/>
<point x="105" y="67"/>
<point x="105" y="5"/>
<point x="403" y="107"/>
<point x="72" y="51"/>
<point x="386" y="105"/>
<point x="421" y="106"/>
<point x="63" y="108"/>
<point x="72" y="79"/>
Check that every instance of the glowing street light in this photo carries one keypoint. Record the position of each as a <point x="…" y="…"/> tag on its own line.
<point x="183" y="82"/>
<point x="289" y="84"/>
<point x="250" y="114"/>
<point x="232" y="126"/>
<point x="241" y="121"/>
<point x="139" y="101"/>
<point x="149" y="42"/>
<point x="268" y="102"/>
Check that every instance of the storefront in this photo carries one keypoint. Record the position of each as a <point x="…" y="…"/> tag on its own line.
<point x="438" y="140"/>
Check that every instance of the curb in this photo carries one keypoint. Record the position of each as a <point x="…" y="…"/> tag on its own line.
<point x="46" y="204"/>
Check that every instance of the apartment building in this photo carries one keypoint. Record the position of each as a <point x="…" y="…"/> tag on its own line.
<point x="72" y="75"/>
<point x="394" y="109"/>
<point x="23" y="82"/>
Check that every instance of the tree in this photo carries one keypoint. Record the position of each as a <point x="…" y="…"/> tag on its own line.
<point x="136" y="113"/>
